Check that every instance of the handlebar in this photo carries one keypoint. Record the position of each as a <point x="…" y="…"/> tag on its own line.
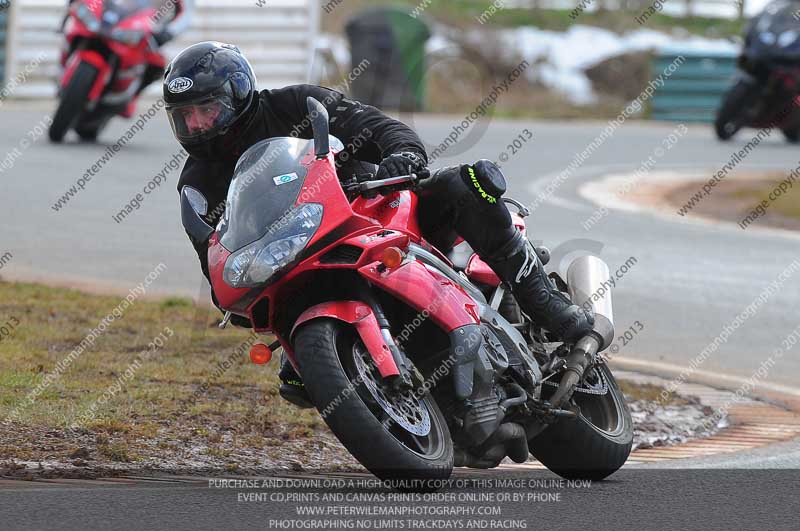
<point x="365" y="185"/>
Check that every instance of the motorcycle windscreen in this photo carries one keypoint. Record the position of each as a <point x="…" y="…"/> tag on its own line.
<point x="777" y="28"/>
<point x="266" y="184"/>
<point x="125" y="8"/>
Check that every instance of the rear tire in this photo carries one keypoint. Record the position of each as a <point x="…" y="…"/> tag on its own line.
<point x="595" y="444"/>
<point x="326" y="350"/>
<point x="73" y="101"/>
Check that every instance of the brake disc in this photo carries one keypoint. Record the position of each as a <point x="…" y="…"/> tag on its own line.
<point x="403" y="408"/>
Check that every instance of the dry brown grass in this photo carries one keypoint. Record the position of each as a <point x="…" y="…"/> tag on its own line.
<point x="162" y="410"/>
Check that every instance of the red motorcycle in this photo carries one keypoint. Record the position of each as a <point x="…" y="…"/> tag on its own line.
<point x="109" y="45"/>
<point x="417" y="360"/>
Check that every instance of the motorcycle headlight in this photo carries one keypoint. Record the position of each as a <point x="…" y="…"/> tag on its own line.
<point x="127" y="36"/>
<point x="87" y="18"/>
<point x="787" y="38"/>
<point x="256" y="263"/>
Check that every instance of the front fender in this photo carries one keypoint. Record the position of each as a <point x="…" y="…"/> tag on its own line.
<point x="96" y="60"/>
<point x="363" y="320"/>
<point x="434" y="295"/>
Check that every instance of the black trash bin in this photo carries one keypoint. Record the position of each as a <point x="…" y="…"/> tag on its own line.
<point x="393" y="43"/>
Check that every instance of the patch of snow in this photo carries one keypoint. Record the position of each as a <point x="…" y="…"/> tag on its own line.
<point x="670" y="424"/>
<point x="706" y="8"/>
<point x="565" y="55"/>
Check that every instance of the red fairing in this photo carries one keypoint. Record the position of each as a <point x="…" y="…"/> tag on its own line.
<point x="447" y="303"/>
<point x="370" y="226"/>
<point x="322" y="186"/>
<point x="361" y="317"/>
<point x="397" y="211"/>
<point x="480" y="271"/>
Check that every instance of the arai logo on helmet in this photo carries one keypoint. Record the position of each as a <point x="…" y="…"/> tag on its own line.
<point x="180" y="84"/>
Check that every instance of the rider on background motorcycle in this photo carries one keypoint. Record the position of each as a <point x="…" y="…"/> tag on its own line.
<point x="216" y="113"/>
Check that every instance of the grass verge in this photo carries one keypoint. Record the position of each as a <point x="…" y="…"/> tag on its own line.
<point x="741" y="199"/>
<point x="195" y="403"/>
<point x="465" y="13"/>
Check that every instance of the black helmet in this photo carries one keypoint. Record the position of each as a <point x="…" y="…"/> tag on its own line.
<point x="210" y="98"/>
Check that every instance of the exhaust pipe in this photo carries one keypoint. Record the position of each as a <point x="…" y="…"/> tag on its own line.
<point x="578" y="360"/>
<point x="586" y="278"/>
<point x="587" y="281"/>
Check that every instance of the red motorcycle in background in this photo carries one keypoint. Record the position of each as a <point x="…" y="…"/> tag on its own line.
<point x="417" y="360"/>
<point x="109" y="45"/>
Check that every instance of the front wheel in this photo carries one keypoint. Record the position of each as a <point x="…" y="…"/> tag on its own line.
<point x="792" y="135"/>
<point x="596" y="443"/>
<point x="90" y="127"/>
<point x="396" y="436"/>
<point x="73" y="101"/>
<point x="736" y="103"/>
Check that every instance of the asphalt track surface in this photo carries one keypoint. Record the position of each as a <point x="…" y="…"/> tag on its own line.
<point x="631" y="500"/>
<point x="690" y="280"/>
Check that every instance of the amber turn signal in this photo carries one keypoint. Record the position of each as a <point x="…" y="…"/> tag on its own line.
<point x="260" y="354"/>
<point x="392" y="257"/>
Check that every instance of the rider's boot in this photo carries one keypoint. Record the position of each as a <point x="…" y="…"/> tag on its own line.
<point x="517" y="264"/>
<point x="292" y="388"/>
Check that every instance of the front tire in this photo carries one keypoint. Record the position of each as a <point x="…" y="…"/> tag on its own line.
<point x="73" y="101"/>
<point x="792" y="135"/>
<point x="595" y="444"/>
<point x="90" y="128"/>
<point x="730" y="116"/>
<point x="327" y="352"/>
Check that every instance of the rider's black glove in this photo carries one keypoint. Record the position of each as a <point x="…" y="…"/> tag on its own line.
<point x="403" y="163"/>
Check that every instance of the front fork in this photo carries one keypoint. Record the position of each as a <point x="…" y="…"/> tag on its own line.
<point x="408" y="376"/>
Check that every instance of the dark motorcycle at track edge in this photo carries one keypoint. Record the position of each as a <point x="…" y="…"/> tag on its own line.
<point x="766" y="92"/>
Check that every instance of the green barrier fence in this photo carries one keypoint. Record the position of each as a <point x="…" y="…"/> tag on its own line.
<point x="692" y="93"/>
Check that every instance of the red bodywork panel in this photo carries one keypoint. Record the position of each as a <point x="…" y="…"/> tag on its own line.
<point x="397" y="211"/>
<point x="361" y="317"/>
<point x="447" y="303"/>
<point x="480" y="271"/>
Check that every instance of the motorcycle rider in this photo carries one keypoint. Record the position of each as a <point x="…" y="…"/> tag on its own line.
<point x="216" y="113"/>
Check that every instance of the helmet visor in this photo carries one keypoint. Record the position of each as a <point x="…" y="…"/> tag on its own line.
<point x="198" y="121"/>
